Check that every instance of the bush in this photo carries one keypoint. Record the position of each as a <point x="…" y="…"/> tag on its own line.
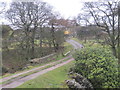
<point x="98" y="65"/>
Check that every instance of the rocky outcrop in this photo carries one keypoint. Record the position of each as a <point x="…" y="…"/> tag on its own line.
<point x="78" y="82"/>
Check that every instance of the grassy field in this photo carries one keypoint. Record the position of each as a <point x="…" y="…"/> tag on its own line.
<point x="88" y="43"/>
<point x="52" y="79"/>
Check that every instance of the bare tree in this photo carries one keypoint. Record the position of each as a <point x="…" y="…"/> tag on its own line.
<point x="28" y="16"/>
<point x="104" y="15"/>
<point x="57" y="27"/>
<point x="41" y="14"/>
<point x="2" y="7"/>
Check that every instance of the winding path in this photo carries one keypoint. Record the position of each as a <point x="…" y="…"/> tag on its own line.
<point x="20" y="81"/>
<point x="34" y="69"/>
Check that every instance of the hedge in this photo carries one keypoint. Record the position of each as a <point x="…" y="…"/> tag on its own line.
<point x="98" y="65"/>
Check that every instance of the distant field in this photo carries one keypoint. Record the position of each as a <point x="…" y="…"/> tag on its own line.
<point x="90" y="43"/>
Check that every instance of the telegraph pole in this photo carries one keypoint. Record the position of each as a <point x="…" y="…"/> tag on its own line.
<point x="118" y="41"/>
<point x="118" y="32"/>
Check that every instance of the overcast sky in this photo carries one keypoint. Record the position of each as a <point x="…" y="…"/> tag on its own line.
<point x="67" y="8"/>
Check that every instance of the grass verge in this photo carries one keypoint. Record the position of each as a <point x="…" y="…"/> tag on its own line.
<point x="32" y="72"/>
<point x="68" y="47"/>
<point x="52" y="79"/>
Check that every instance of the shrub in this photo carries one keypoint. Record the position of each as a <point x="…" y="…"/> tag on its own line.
<point x="98" y="65"/>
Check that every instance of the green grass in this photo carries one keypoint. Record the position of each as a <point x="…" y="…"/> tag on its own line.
<point x="52" y="79"/>
<point x="26" y="74"/>
<point x="29" y="68"/>
<point x="32" y="67"/>
<point x="88" y="42"/>
<point x="92" y="43"/>
<point x="29" y="73"/>
<point x="76" y="39"/>
<point x="68" y="47"/>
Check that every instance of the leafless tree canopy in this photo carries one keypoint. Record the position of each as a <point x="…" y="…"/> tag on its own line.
<point x="105" y="16"/>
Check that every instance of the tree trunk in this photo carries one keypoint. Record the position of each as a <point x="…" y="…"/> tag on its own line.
<point x="41" y="37"/>
<point x="53" y="38"/>
<point x="49" y="43"/>
<point x="33" y="44"/>
<point x="27" y="42"/>
<point x="32" y="51"/>
<point x="40" y="43"/>
<point x="114" y="51"/>
<point x="85" y="40"/>
<point x="27" y="48"/>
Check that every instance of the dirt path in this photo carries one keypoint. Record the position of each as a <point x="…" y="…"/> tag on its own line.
<point x="32" y="76"/>
<point x="75" y="44"/>
<point x="24" y="72"/>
